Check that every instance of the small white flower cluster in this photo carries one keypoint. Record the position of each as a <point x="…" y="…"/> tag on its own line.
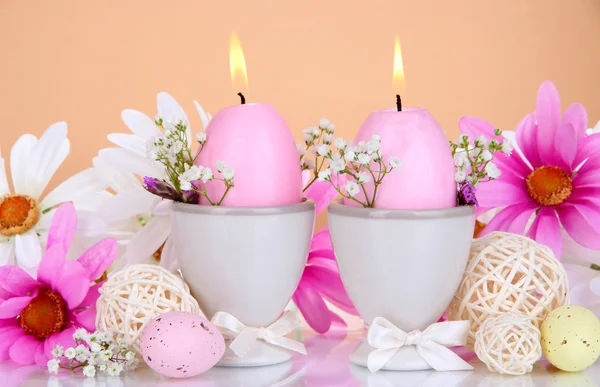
<point x="95" y="352"/>
<point x="473" y="159"/>
<point x="171" y="150"/>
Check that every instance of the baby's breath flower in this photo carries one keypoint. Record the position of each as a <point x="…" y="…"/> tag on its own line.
<point x="325" y="175"/>
<point x="352" y="188"/>
<point x="328" y="138"/>
<point x="337" y="164"/>
<point x="70" y="353"/>
<point x="129" y="356"/>
<point x="481" y="141"/>
<point x="363" y="177"/>
<point x="323" y="123"/>
<point x="394" y="162"/>
<point x="486" y="155"/>
<point x="227" y="173"/>
<point x="95" y="347"/>
<point x="220" y="166"/>
<point x="89" y="371"/>
<point x="492" y="170"/>
<point x="114" y="369"/>
<point x="308" y="139"/>
<point x="206" y="175"/>
<point x="57" y="351"/>
<point x="460" y="176"/>
<point x="301" y="149"/>
<point x="80" y="334"/>
<point x="201" y="137"/>
<point x="350" y="155"/>
<point x="53" y="366"/>
<point x="339" y="143"/>
<point x="330" y="128"/>
<point x="460" y="159"/>
<point x="506" y="147"/>
<point x="364" y="159"/>
<point x="323" y="150"/>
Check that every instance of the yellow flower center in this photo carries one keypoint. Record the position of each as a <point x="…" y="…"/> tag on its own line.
<point x="549" y="185"/>
<point x="18" y="214"/>
<point x="46" y="314"/>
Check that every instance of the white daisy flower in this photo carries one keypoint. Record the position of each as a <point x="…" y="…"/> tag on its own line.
<point x="139" y="220"/>
<point x="26" y="214"/>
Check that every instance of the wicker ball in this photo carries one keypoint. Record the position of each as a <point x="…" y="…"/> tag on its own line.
<point x="508" y="273"/>
<point x="509" y="344"/>
<point x="135" y="295"/>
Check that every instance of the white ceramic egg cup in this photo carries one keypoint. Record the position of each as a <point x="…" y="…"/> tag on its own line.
<point x="402" y="265"/>
<point x="245" y="261"/>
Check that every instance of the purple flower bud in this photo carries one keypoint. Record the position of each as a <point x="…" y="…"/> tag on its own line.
<point x="466" y="195"/>
<point x="161" y="188"/>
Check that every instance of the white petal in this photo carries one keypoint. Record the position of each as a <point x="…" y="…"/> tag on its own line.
<point x="203" y="115"/>
<point x="148" y="240"/>
<point x="127" y="204"/>
<point x="139" y="123"/>
<point x="47" y="155"/>
<point x="168" y="257"/>
<point x="162" y="207"/>
<point x="19" y="160"/>
<point x="7" y="252"/>
<point x="170" y="110"/>
<point x="3" y="182"/>
<point x="127" y="161"/>
<point x="91" y="223"/>
<point x="28" y="251"/>
<point x="117" y="180"/>
<point x="76" y="188"/>
<point x="130" y="142"/>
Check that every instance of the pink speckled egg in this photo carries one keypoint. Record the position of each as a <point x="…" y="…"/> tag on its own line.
<point x="426" y="178"/>
<point x="255" y="141"/>
<point x="181" y="345"/>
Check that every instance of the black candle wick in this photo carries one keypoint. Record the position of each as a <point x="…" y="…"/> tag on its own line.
<point x="398" y="102"/>
<point x="242" y="98"/>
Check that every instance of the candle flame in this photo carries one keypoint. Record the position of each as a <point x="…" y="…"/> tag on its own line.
<point x="398" y="73"/>
<point x="237" y="64"/>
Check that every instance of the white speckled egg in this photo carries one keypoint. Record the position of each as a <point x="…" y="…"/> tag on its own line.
<point x="181" y="345"/>
<point x="571" y="338"/>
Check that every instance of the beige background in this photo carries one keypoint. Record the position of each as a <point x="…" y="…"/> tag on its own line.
<point x="85" y="61"/>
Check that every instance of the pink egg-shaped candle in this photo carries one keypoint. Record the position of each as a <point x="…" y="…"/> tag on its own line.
<point x="255" y="141"/>
<point x="426" y="178"/>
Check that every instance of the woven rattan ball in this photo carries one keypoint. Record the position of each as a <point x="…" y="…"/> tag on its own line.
<point x="508" y="273"/>
<point x="509" y="344"/>
<point x="133" y="296"/>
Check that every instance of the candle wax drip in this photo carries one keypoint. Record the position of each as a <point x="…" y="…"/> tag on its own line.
<point x="242" y="98"/>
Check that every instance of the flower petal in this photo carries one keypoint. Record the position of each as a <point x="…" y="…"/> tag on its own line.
<point x="130" y="142"/>
<point x="322" y="192"/>
<point x="511" y="219"/>
<point x="168" y="257"/>
<point x="62" y="229"/>
<point x="19" y="159"/>
<point x="8" y="336"/>
<point x="13" y="306"/>
<point x="170" y="110"/>
<point x="148" y="240"/>
<point x="64" y="339"/>
<point x="499" y="193"/>
<point x="140" y="124"/>
<point x="23" y="350"/>
<point x="565" y="145"/>
<point x="312" y="307"/>
<point x="3" y="181"/>
<point x="591" y="178"/>
<point x="548" y="118"/>
<point x="589" y="148"/>
<point x="527" y="138"/>
<point x="7" y="252"/>
<point x="321" y="240"/>
<point x="545" y="229"/>
<point x="330" y="285"/>
<point x="474" y="126"/>
<point x="116" y="179"/>
<point x="87" y="317"/>
<point x="127" y="204"/>
<point x="77" y="189"/>
<point x="51" y="266"/>
<point x="40" y="357"/>
<point x="130" y="162"/>
<point x="576" y="115"/>
<point x="582" y="223"/>
<point x="73" y="284"/>
<point x="48" y="154"/>
<point x="99" y="257"/>
<point x="28" y="251"/>
<point x="16" y="281"/>
<point x="203" y="115"/>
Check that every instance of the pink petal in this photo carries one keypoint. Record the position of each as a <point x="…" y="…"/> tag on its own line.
<point x="40" y="357"/>
<point x="578" y="118"/>
<point x="62" y="229"/>
<point x="548" y="118"/>
<point x="99" y="257"/>
<point x="474" y="126"/>
<point x="322" y="253"/>
<point x="8" y="336"/>
<point x="589" y="147"/>
<point x="73" y="284"/>
<point x="565" y="145"/>
<point x="64" y="339"/>
<point x="337" y="321"/>
<point x="14" y="280"/>
<point x="590" y="178"/>
<point x="323" y="264"/>
<point x="499" y="193"/>
<point x="591" y="164"/>
<point x="312" y="307"/>
<point x="546" y="230"/>
<point x="322" y="192"/>
<point x="330" y="286"/>
<point x="582" y="223"/>
<point x="13" y="306"/>
<point x="9" y="322"/>
<point x="585" y="193"/>
<point x="23" y="350"/>
<point x="527" y="139"/>
<point x="51" y="265"/>
<point x="321" y="240"/>
<point x="87" y="317"/>
<point x="511" y="219"/>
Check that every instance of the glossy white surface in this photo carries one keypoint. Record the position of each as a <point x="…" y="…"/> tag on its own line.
<point x="327" y="365"/>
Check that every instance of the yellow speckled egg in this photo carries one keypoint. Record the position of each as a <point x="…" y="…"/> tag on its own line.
<point x="571" y="338"/>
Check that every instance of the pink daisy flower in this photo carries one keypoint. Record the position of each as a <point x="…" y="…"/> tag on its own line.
<point x="37" y="314"/>
<point x="321" y="279"/>
<point x="552" y="176"/>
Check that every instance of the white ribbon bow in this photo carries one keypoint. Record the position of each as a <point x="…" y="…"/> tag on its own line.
<point x="431" y="344"/>
<point x="246" y="337"/>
